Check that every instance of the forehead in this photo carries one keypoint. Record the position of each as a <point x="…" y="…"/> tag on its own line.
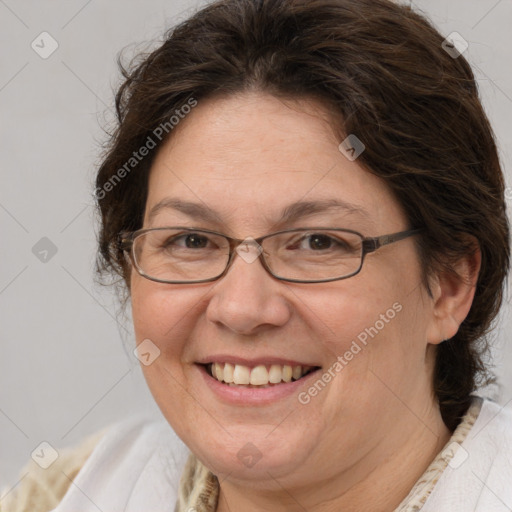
<point x="249" y="159"/>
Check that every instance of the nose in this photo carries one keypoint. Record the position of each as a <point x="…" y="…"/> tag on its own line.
<point x="247" y="299"/>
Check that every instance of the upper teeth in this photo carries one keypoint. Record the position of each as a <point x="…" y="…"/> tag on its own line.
<point x="259" y="375"/>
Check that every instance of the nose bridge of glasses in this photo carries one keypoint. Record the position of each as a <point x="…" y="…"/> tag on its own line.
<point x="248" y="249"/>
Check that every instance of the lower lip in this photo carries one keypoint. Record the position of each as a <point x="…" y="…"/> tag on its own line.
<point x="239" y="395"/>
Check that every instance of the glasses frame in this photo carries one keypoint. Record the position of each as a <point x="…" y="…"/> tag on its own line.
<point x="126" y="241"/>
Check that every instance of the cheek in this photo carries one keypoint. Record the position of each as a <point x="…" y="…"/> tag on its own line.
<point x="162" y="314"/>
<point x="170" y="316"/>
<point x="166" y="316"/>
<point x="350" y="311"/>
<point x="373" y="332"/>
<point x="152" y="314"/>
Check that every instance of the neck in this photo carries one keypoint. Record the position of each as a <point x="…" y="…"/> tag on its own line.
<point x="379" y="481"/>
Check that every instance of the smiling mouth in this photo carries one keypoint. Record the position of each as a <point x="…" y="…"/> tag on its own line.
<point x="260" y="376"/>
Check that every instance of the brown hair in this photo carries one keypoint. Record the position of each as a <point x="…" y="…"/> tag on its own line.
<point x="383" y="70"/>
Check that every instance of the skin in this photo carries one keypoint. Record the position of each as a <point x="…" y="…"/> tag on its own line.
<point x="365" y="439"/>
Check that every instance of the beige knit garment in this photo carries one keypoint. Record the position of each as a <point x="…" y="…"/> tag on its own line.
<point x="40" y="490"/>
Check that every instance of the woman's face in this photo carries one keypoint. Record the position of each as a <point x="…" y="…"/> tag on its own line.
<point x="247" y="159"/>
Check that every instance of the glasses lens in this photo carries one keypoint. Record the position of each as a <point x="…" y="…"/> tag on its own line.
<point x="180" y="255"/>
<point x="311" y="255"/>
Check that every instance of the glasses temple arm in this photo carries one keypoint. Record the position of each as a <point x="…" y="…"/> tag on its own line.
<point x="372" y="244"/>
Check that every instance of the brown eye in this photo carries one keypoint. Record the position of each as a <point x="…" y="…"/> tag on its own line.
<point x="194" y="241"/>
<point x="186" y="241"/>
<point x="320" y="242"/>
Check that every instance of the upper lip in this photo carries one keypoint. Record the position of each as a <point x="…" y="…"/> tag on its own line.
<point x="264" y="360"/>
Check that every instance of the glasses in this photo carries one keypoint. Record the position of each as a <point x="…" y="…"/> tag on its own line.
<point x="180" y="255"/>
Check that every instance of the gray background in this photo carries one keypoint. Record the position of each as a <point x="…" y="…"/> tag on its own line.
<point x="64" y="368"/>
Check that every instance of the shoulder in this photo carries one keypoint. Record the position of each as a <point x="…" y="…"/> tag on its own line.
<point x="494" y="419"/>
<point x="491" y="435"/>
<point x="135" y="466"/>
<point x="490" y="440"/>
<point x="478" y="476"/>
<point x="40" y="490"/>
<point x="99" y="457"/>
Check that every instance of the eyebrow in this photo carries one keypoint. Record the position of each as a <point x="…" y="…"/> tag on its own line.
<point x="292" y="212"/>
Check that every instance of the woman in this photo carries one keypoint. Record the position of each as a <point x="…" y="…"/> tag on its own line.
<point x="305" y="203"/>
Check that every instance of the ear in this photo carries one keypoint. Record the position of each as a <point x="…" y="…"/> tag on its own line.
<point x="453" y="295"/>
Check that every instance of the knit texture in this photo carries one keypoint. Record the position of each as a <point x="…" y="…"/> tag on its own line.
<point x="41" y="490"/>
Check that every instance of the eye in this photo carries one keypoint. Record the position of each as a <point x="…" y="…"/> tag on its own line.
<point x="318" y="242"/>
<point x="321" y="242"/>
<point x="188" y="241"/>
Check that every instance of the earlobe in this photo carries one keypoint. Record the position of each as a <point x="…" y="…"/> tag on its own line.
<point x="453" y="294"/>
